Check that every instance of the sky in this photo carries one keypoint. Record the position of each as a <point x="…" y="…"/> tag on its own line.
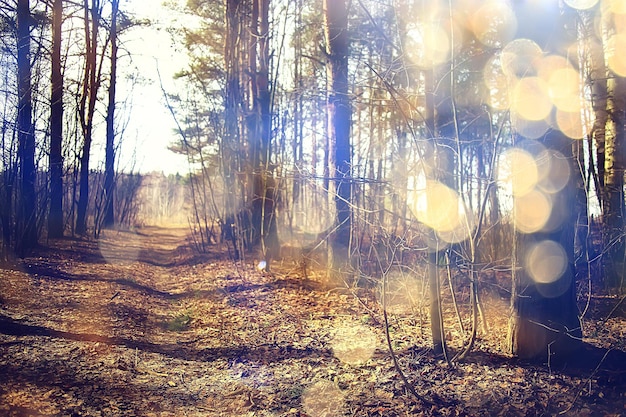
<point x="150" y="52"/>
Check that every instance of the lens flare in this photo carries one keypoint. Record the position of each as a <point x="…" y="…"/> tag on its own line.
<point x="497" y="83"/>
<point x="616" y="6"/>
<point x="581" y="4"/>
<point x="354" y="343"/>
<point x="402" y="292"/>
<point x="437" y="206"/>
<point x="616" y="57"/>
<point x="310" y="216"/>
<point x="531" y="99"/>
<point x="554" y="171"/>
<point x="118" y="247"/>
<point x="518" y="172"/>
<point x="518" y="58"/>
<point x="494" y="24"/>
<point x="323" y="399"/>
<point x="532" y="211"/>
<point x="546" y="262"/>
<point x="530" y="129"/>
<point x="564" y="89"/>
<point x="465" y="225"/>
<point x="572" y="124"/>
<point x="428" y="45"/>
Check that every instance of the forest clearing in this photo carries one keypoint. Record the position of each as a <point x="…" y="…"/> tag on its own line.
<point x="137" y="324"/>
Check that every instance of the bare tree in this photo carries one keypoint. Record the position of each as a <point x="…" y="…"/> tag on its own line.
<point x="27" y="214"/>
<point x="339" y="105"/>
<point x="55" y="216"/>
<point x="87" y="106"/>
<point x="109" y="164"/>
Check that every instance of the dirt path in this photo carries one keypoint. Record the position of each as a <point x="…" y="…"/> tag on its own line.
<point x="136" y="325"/>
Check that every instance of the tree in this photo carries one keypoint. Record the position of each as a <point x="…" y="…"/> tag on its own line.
<point x="259" y="121"/>
<point x="230" y="74"/>
<point x="55" y="216"/>
<point x="613" y="116"/>
<point x="87" y="105"/>
<point x="545" y="323"/>
<point x="26" y="221"/>
<point x="109" y="164"/>
<point x="339" y="121"/>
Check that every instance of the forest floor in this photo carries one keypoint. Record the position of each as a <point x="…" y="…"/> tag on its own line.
<point x="136" y="324"/>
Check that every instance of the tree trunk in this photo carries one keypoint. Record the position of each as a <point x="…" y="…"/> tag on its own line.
<point x="26" y="221"/>
<point x="263" y="214"/>
<point x="545" y="324"/>
<point x="109" y="164"/>
<point x="598" y="75"/>
<point x="55" y="216"/>
<point x="613" y="207"/>
<point x="87" y="108"/>
<point x="340" y="113"/>
<point x="614" y="242"/>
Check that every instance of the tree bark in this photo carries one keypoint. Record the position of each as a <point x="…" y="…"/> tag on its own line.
<point x="26" y="222"/>
<point x="109" y="164"/>
<point x="545" y="324"/>
<point x="263" y="213"/>
<point x="55" y="216"/>
<point x="87" y="107"/>
<point x="614" y="241"/>
<point x="339" y="124"/>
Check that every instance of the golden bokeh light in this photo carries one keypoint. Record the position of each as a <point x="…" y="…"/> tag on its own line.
<point x="616" y="58"/>
<point x="619" y="19"/>
<point x="546" y="262"/>
<point x="517" y="171"/>
<point x="354" y="343"/>
<point x="437" y="206"/>
<point x="532" y="211"/>
<point x="464" y="227"/>
<point x="497" y="83"/>
<point x="571" y="124"/>
<point x="310" y="217"/>
<point x="564" y="89"/>
<point x="581" y="4"/>
<point x="401" y="294"/>
<point x="554" y="171"/>
<point x="494" y="24"/>
<point x="323" y="399"/>
<point x="428" y="45"/>
<point x="546" y="65"/>
<point x="530" y="129"/>
<point x="531" y="99"/>
<point x="615" y="6"/>
<point x="518" y="58"/>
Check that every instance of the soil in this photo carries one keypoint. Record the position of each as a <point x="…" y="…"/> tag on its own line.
<point x="137" y="324"/>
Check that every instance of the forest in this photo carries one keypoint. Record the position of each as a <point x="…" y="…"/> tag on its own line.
<point x="390" y="208"/>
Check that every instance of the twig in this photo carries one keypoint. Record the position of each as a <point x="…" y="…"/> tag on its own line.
<point x="396" y="365"/>
<point x="615" y="308"/>
<point x="585" y="383"/>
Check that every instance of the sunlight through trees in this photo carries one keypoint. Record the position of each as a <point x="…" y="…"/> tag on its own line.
<point x="416" y="150"/>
